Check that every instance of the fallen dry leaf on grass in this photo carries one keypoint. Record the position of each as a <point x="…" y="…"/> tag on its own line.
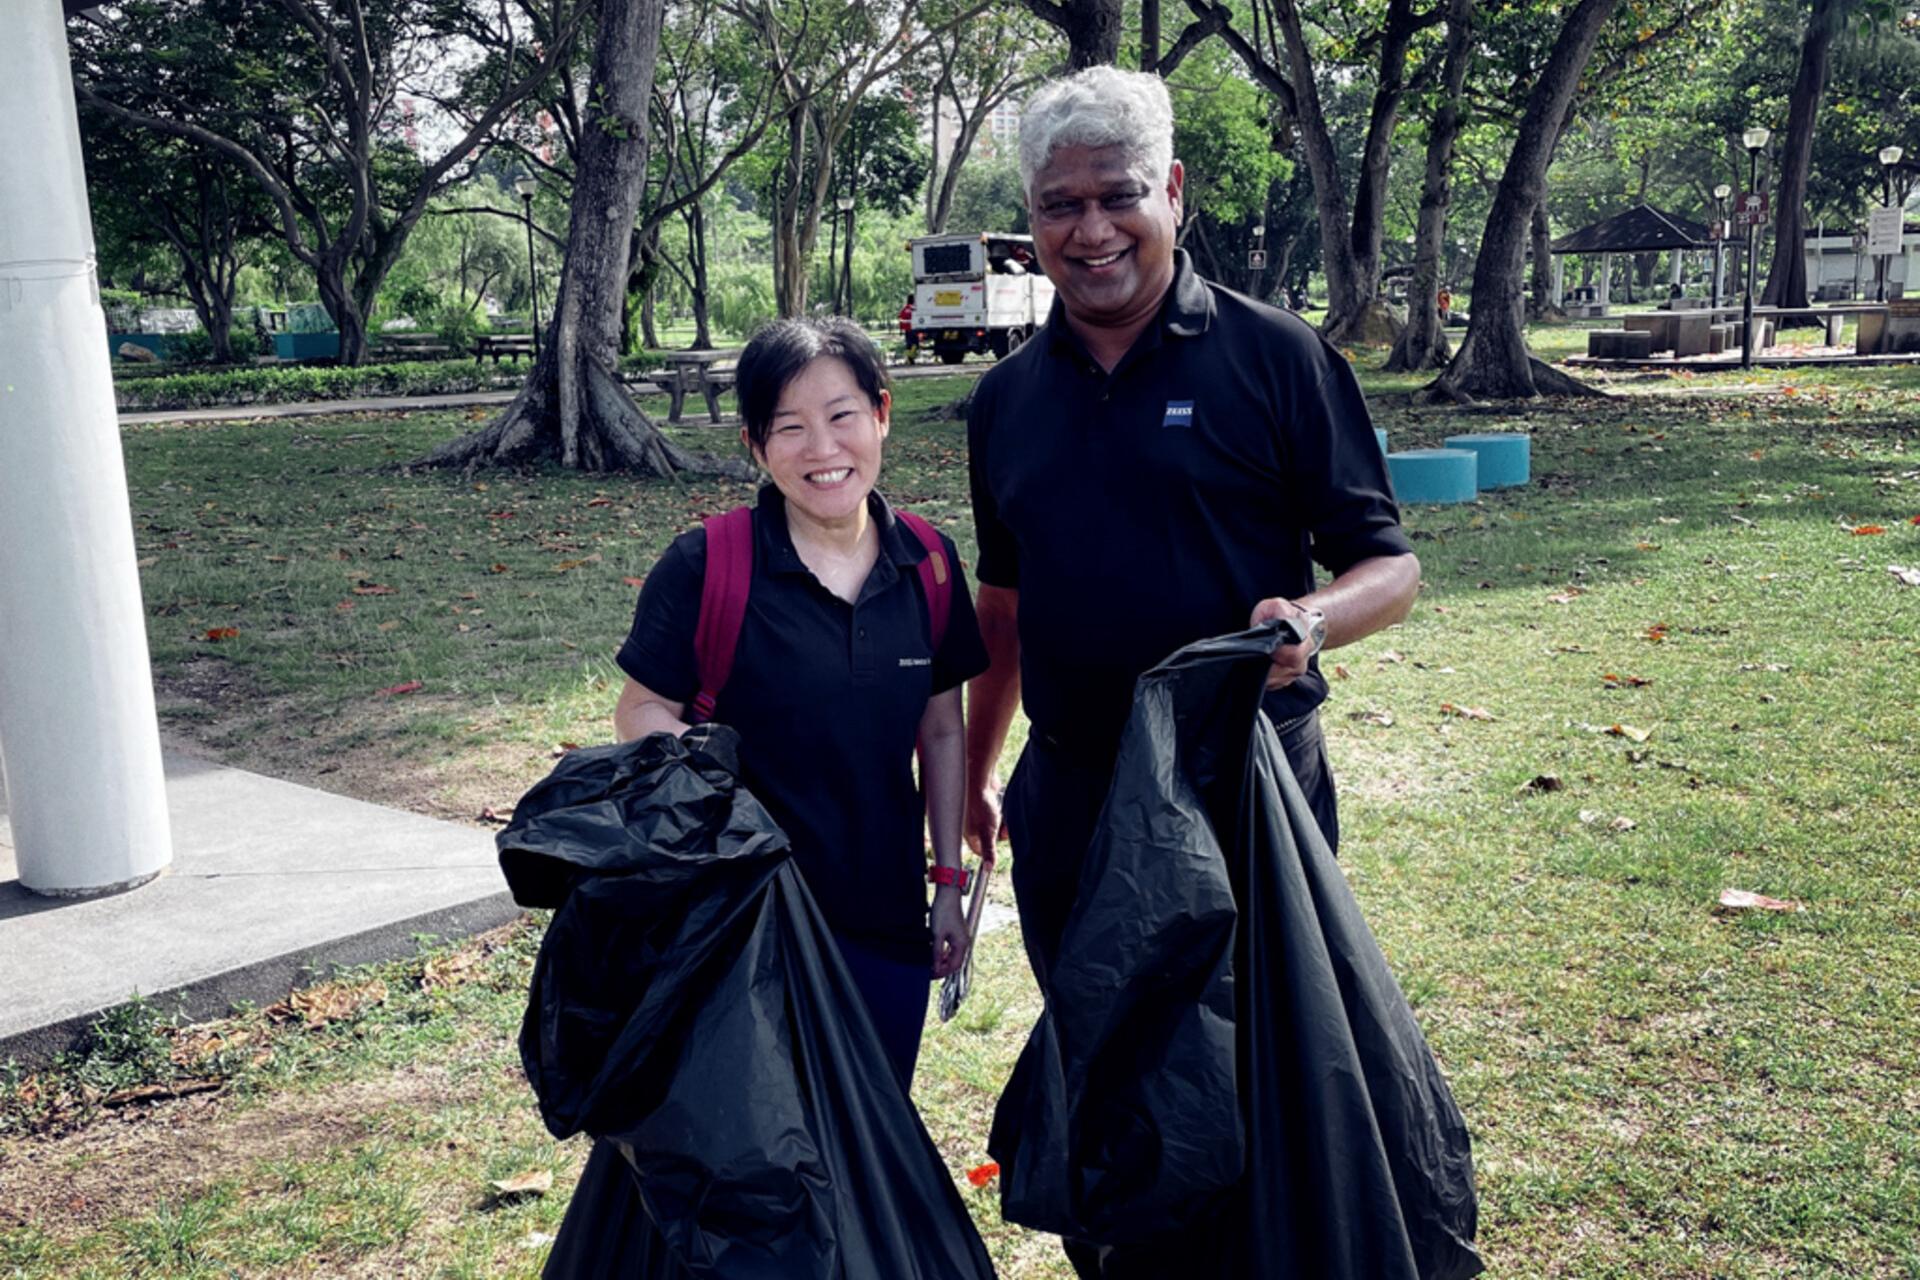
<point x="1765" y="666"/>
<point x="1382" y="718"/>
<point x="1910" y="577"/>
<point x="534" y="1182"/>
<point x="1565" y="597"/>
<point x="1866" y="530"/>
<point x="1390" y="656"/>
<point x="1630" y="733"/>
<point x="1340" y="672"/>
<point x="635" y="582"/>
<point x="222" y="633"/>
<point x="981" y="1175"/>
<point x="330" y="1002"/>
<point x="372" y="589"/>
<point x="1543" y="782"/>
<point x="1613" y="681"/>
<point x="1465" y="713"/>
<point x="1657" y="633"/>
<point x="487" y="814"/>
<point x="394" y="690"/>
<point x="1622" y="824"/>
<point x="1735" y="901"/>
<point x="151" y="1092"/>
<point x="450" y="970"/>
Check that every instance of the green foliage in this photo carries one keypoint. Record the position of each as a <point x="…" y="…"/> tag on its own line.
<point x="1222" y="136"/>
<point x="287" y="384"/>
<point x="987" y="197"/>
<point x="308" y="317"/>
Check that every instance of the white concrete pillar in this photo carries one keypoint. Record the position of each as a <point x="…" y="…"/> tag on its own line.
<point x="1559" y="280"/>
<point x="1606" y="281"/>
<point x="1674" y="264"/>
<point x="79" y="743"/>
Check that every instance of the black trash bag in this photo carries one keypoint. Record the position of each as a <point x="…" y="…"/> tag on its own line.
<point x="1227" y="1079"/>
<point x="690" y="1009"/>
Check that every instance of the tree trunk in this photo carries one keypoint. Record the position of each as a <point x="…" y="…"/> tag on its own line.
<point x="697" y="286"/>
<point x="1542" y="307"/>
<point x="1787" y="277"/>
<point x="330" y="282"/>
<point x="1423" y="343"/>
<point x="649" y="336"/>
<point x="1092" y="27"/>
<point x="573" y="408"/>
<point x="1493" y="360"/>
<point x="1150" y="36"/>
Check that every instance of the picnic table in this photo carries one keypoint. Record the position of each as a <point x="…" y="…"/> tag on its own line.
<point x="709" y="371"/>
<point x="497" y="345"/>
<point x="1689" y="332"/>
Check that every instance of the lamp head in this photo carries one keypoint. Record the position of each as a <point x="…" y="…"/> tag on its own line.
<point x="1890" y="156"/>
<point x="1722" y="191"/>
<point x="844" y="204"/>
<point x="526" y="184"/>
<point x="1756" y="138"/>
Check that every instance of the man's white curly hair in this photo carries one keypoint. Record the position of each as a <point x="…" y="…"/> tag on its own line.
<point x="1099" y="107"/>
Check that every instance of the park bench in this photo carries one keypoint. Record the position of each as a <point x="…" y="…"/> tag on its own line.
<point x="498" y="345"/>
<point x="411" y="346"/>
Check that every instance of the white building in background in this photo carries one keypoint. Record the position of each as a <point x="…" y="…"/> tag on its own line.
<point x="1838" y="265"/>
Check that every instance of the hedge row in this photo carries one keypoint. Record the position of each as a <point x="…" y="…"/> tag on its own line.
<point x="294" y="383"/>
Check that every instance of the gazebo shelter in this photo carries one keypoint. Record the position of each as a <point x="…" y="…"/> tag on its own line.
<point x="1641" y="229"/>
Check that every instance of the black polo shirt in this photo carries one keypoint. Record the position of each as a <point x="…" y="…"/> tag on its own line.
<point x="1143" y="509"/>
<point x="827" y="697"/>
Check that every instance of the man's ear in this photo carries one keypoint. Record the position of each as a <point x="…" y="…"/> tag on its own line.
<point x="1176" y="180"/>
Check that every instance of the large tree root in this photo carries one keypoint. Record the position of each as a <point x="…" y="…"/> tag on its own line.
<point x="610" y="433"/>
<point x="1434" y="351"/>
<point x="1546" y="381"/>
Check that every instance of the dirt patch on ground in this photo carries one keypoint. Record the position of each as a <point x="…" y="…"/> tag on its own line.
<point x="213" y="709"/>
<point x="121" y="1169"/>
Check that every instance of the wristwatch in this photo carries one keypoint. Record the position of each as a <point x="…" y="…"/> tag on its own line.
<point x="1316" y="631"/>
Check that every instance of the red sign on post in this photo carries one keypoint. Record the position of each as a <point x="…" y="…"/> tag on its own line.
<point x="1750" y="209"/>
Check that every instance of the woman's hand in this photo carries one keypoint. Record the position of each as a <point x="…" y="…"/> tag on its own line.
<point x="949" y="932"/>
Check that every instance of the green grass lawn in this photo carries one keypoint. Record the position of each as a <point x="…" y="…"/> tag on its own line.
<point x="1680" y="622"/>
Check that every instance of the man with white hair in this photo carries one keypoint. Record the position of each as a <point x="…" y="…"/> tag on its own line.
<point x="1166" y="460"/>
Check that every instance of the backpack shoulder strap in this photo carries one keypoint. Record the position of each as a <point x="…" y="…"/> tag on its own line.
<point x="936" y="575"/>
<point x="723" y="605"/>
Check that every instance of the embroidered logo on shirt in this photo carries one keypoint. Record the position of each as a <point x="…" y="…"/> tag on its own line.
<point x="916" y="662"/>
<point x="1179" y="414"/>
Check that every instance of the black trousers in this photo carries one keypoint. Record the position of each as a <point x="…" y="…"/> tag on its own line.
<point x="1052" y="806"/>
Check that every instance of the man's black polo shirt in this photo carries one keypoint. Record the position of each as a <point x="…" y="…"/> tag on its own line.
<point x="827" y="697"/>
<point x="1140" y="510"/>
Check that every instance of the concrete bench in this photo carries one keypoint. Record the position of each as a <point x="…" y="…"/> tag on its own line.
<point x="1892" y="332"/>
<point x="1504" y="458"/>
<point x="1434" y="475"/>
<point x="1619" y="344"/>
<point x="501" y="345"/>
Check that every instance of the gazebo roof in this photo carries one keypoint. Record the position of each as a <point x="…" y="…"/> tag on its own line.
<point x="1641" y="229"/>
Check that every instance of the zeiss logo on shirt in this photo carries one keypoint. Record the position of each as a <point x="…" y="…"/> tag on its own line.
<point x="1179" y="414"/>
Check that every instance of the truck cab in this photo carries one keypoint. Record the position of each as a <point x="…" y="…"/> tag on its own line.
<point x="975" y="292"/>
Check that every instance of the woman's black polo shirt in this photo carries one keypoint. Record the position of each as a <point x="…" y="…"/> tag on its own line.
<point x="1144" y="509"/>
<point x="827" y="697"/>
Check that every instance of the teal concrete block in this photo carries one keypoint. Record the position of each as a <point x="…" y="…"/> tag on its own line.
<point x="1380" y="434"/>
<point x="1506" y="457"/>
<point x="307" y="346"/>
<point x="1434" y="475"/>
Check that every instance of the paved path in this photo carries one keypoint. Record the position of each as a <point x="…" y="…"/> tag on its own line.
<point x="461" y="400"/>
<point x="270" y="881"/>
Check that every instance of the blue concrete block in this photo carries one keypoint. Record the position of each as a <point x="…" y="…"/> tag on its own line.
<point x="1434" y="475"/>
<point x="1505" y="456"/>
<point x="1380" y="434"/>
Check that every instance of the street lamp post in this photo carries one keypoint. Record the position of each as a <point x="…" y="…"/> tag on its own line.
<point x="1756" y="141"/>
<point x="526" y="185"/>
<point x="1889" y="157"/>
<point x="1720" y="194"/>
<point x="843" y="287"/>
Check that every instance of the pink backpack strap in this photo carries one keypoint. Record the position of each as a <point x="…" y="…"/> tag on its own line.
<point x="723" y="605"/>
<point x="936" y="575"/>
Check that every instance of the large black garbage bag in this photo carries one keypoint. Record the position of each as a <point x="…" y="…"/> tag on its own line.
<point x="689" y="1008"/>
<point x="1227" y="1078"/>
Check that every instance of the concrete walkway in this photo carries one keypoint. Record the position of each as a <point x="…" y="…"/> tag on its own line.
<point x="271" y="882"/>
<point x="696" y="415"/>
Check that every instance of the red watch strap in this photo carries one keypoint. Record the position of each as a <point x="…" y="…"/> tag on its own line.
<point x="955" y="876"/>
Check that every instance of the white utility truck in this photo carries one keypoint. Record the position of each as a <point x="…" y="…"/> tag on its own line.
<point x="975" y="292"/>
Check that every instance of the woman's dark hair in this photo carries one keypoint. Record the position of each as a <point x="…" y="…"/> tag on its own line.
<point x="777" y="354"/>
